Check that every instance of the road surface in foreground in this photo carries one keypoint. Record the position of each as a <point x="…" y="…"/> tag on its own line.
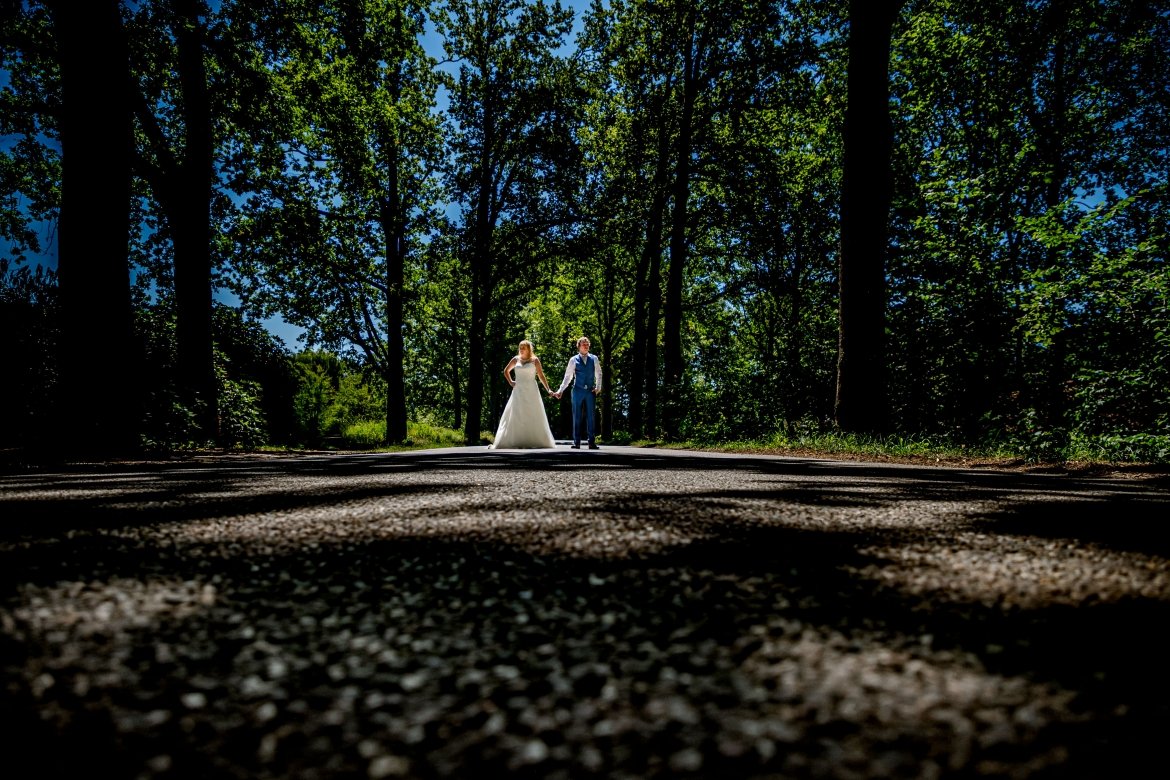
<point x="619" y="613"/>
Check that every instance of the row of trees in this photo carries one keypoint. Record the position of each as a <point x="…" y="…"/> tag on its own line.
<point x="922" y="216"/>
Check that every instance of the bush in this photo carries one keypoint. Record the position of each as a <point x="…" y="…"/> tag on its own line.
<point x="311" y="405"/>
<point x="620" y="438"/>
<point x="1116" y="448"/>
<point x="1036" y="442"/>
<point x="364" y="434"/>
<point x="241" y="415"/>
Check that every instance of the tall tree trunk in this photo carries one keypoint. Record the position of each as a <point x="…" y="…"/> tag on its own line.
<point x="475" y="368"/>
<point x="190" y="221"/>
<point x="647" y="286"/>
<point x="482" y="271"/>
<point x="606" y="396"/>
<point x="605" y="339"/>
<point x="99" y="360"/>
<point x="637" y="372"/>
<point x="394" y="229"/>
<point x="672" y="353"/>
<point x="1054" y="409"/>
<point x="481" y="284"/>
<point x="393" y="371"/>
<point x="794" y="370"/>
<point x="653" y="318"/>
<point x="456" y="380"/>
<point x="862" y="404"/>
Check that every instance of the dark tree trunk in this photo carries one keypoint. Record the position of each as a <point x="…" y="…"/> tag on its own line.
<point x="482" y="270"/>
<point x="672" y="353"/>
<point x="99" y="359"/>
<point x="605" y="338"/>
<point x="190" y="220"/>
<point x="653" y="317"/>
<point x="456" y="379"/>
<point x="393" y="372"/>
<point x="394" y="228"/>
<point x="866" y="192"/>
<point x="481" y="284"/>
<point x="795" y="398"/>
<point x="1054" y="408"/>
<point x="646" y="290"/>
<point x="606" y="396"/>
<point x="475" y="368"/>
<point x="637" y="371"/>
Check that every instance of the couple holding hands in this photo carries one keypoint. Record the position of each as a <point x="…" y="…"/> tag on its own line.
<point x="524" y="425"/>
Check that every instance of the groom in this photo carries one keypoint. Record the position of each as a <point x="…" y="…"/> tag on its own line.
<point x="584" y="373"/>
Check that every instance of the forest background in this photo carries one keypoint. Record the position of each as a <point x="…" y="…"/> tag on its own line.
<point x="922" y="220"/>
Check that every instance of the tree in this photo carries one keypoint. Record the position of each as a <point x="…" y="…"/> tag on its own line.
<point x="95" y="305"/>
<point x="509" y="146"/>
<point x="175" y="156"/>
<point x="866" y="193"/>
<point x="772" y="159"/>
<point x="348" y="194"/>
<point x="628" y="128"/>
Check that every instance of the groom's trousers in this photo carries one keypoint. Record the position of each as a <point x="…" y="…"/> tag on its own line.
<point x="582" y="415"/>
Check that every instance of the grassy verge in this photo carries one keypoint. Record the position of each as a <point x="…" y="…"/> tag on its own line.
<point x="849" y="445"/>
<point x="1082" y="459"/>
<point x="370" y="436"/>
<point x="1136" y="456"/>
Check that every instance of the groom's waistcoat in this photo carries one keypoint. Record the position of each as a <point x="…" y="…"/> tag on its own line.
<point x="583" y="376"/>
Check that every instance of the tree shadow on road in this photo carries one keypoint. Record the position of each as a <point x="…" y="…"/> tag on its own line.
<point x="843" y="614"/>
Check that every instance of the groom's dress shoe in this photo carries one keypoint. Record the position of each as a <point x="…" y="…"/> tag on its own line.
<point x="594" y="447"/>
<point x="575" y="447"/>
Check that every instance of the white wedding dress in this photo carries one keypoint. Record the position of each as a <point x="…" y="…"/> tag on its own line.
<point x="524" y="425"/>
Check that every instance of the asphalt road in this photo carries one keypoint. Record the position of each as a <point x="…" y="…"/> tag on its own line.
<point x="623" y="613"/>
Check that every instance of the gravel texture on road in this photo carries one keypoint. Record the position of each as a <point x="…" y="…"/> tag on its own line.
<point x="624" y="613"/>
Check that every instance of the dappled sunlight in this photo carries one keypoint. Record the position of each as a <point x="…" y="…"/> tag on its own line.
<point x="74" y="488"/>
<point x="1023" y="572"/>
<point x="93" y="607"/>
<point x="742" y="617"/>
<point x="909" y="693"/>
<point x="538" y="527"/>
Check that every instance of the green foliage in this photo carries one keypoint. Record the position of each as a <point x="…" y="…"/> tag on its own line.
<point x="371" y="434"/>
<point x="169" y="424"/>
<point x="332" y="396"/>
<point x="338" y="173"/>
<point x="28" y="320"/>
<point x="254" y="375"/>
<point x="1028" y="298"/>
<point x="1037" y="440"/>
<point x="250" y="355"/>
<point x="30" y="156"/>
<point x="241" y="414"/>
<point x="811" y="437"/>
<point x="1134" y="448"/>
<point x="318" y="375"/>
<point x="358" y="398"/>
<point x="364" y="435"/>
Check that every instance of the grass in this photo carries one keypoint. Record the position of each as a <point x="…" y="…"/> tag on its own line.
<point x="1082" y="455"/>
<point x="839" y="444"/>
<point x="371" y="435"/>
<point x="1084" y="458"/>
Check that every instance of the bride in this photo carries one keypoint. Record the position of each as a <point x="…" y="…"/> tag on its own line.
<point x="524" y="425"/>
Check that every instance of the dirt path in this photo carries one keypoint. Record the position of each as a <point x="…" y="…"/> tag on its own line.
<point x="622" y="613"/>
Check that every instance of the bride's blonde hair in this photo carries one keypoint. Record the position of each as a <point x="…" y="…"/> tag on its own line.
<point x="531" y="349"/>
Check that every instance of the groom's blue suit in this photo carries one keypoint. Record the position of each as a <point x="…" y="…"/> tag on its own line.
<point x="584" y="380"/>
